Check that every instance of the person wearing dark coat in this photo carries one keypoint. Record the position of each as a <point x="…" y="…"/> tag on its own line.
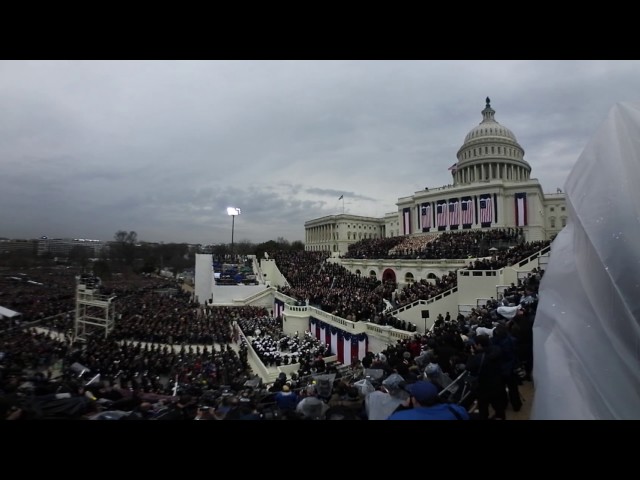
<point x="509" y="362"/>
<point x="485" y="365"/>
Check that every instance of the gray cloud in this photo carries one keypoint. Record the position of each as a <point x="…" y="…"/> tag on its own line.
<point x="163" y="147"/>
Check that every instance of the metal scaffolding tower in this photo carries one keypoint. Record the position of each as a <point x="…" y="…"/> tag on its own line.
<point x="94" y="312"/>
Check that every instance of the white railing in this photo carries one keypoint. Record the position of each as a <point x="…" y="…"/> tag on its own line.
<point x="257" y="270"/>
<point x="285" y="298"/>
<point x="534" y="256"/>
<point x="388" y="332"/>
<point x="465" y="309"/>
<point x="335" y="320"/>
<point x="400" y="262"/>
<point x="385" y="332"/>
<point x="429" y="301"/>
<point x="257" y="295"/>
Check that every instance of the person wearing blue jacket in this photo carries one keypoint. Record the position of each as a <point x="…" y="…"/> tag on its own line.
<point x="426" y="406"/>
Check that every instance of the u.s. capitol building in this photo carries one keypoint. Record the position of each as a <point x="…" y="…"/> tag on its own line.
<point x="491" y="188"/>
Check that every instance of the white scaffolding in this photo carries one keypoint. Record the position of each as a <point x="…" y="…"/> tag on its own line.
<point x="95" y="313"/>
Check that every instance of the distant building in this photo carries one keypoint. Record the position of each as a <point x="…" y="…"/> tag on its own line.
<point x="18" y="245"/>
<point x="60" y="247"/>
<point x="336" y="232"/>
<point x="491" y="188"/>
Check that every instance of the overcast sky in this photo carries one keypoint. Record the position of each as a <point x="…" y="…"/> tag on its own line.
<point x="164" y="147"/>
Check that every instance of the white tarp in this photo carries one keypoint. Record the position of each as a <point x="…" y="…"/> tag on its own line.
<point x="586" y="334"/>
<point x="508" y="312"/>
<point x="6" y="313"/>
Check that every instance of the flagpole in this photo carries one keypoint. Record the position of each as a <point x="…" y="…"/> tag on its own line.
<point x="343" y="204"/>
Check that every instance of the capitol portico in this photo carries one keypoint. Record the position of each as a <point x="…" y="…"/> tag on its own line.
<point x="491" y="188"/>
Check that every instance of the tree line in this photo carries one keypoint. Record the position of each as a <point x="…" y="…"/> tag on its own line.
<point x="126" y="254"/>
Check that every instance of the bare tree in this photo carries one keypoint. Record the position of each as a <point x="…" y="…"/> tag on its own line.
<point x="125" y="245"/>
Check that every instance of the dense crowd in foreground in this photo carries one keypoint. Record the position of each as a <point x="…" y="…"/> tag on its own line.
<point x="171" y="358"/>
<point x="148" y="380"/>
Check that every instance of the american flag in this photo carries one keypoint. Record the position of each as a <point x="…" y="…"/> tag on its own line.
<point x="441" y="214"/>
<point x="486" y="212"/>
<point x="521" y="209"/>
<point x="278" y="308"/>
<point x="466" y="207"/>
<point x="406" y="220"/>
<point x="425" y="215"/>
<point x="454" y="217"/>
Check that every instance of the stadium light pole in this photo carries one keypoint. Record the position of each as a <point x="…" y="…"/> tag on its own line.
<point x="233" y="212"/>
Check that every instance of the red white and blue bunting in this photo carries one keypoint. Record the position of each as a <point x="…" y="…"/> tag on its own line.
<point x="347" y="346"/>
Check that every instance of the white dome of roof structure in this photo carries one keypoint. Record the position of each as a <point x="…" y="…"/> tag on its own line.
<point x="489" y="127"/>
<point x="490" y="152"/>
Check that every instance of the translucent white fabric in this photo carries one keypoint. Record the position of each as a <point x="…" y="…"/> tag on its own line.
<point x="508" y="312"/>
<point x="586" y="334"/>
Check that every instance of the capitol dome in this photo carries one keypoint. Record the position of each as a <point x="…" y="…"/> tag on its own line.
<point x="490" y="152"/>
<point x="489" y="127"/>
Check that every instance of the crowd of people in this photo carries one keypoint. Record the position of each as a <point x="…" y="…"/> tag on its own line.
<point x="424" y="289"/>
<point x="282" y="349"/>
<point x="509" y="257"/>
<point x="462" y="244"/>
<point x="133" y="372"/>
<point x="171" y="358"/>
<point x="38" y="293"/>
<point x="142" y="380"/>
<point x="332" y="288"/>
<point x="468" y="367"/>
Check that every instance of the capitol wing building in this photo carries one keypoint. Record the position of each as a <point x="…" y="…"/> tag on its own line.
<point x="491" y="188"/>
